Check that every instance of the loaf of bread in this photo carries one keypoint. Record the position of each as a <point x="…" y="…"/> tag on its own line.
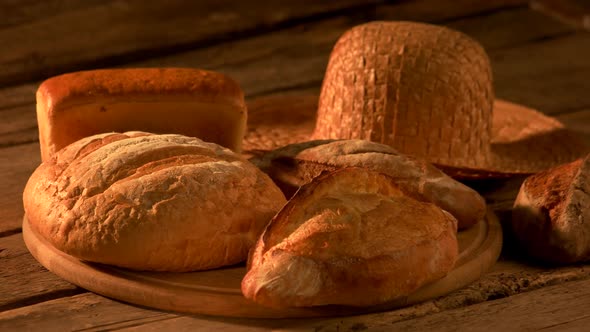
<point x="551" y="215"/>
<point x="296" y="164"/>
<point x="350" y="237"/>
<point x="185" y="101"/>
<point x="150" y="202"/>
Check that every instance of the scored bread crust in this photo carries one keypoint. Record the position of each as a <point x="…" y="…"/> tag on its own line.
<point x="151" y="202"/>
<point x="551" y="214"/>
<point x="350" y="237"/>
<point x="296" y="164"/>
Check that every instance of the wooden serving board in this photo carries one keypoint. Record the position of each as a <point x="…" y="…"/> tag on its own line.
<point x="217" y="292"/>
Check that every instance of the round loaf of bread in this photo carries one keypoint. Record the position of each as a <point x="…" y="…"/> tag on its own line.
<point x="151" y="202"/>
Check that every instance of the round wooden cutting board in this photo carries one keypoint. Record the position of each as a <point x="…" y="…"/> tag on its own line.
<point x="217" y="292"/>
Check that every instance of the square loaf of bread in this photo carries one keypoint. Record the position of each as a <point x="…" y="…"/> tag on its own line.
<point x="186" y="101"/>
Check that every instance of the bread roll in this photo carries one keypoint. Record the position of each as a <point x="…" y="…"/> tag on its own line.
<point x="350" y="237"/>
<point x="191" y="102"/>
<point x="294" y="165"/>
<point x="150" y="202"/>
<point x="551" y="215"/>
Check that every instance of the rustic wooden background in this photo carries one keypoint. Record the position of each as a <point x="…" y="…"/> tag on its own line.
<point x="540" y="52"/>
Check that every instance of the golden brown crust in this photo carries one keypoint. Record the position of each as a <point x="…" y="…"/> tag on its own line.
<point x="185" y="101"/>
<point x="296" y="164"/>
<point x="147" y="83"/>
<point x="350" y="237"/>
<point x="151" y="202"/>
<point x="551" y="215"/>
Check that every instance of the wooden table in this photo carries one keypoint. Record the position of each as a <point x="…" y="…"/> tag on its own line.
<point x="540" y="53"/>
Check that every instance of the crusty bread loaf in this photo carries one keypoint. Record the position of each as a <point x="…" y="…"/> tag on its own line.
<point x="350" y="237"/>
<point x="551" y="215"/>
<point x="150" y="202"/>
<point x="296" y="164"/>
<point x="185" y="101"/>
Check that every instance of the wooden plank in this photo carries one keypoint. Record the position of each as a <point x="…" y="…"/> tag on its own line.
<point x="18" y="95"/>
<point x="13" y="12"/>
<point x="550" y="75"/>
<point x="292" y="58"/>
<point x="509" y="28"/>
<point x="550" y="297"/>
<point x="16" y="165"/>
<point x="24" y="280"/>
<point x="558" y="307"/>
<point x="441" y="11"/>
<point x="573" y="12"/>
<point x="17" y="110"/>
<point x="19" y="125"/>
<point x="578" y="121"/>
<point x="119" y="31"/>
<point x="88" y="312"/>
<point x="92" y="312"/>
